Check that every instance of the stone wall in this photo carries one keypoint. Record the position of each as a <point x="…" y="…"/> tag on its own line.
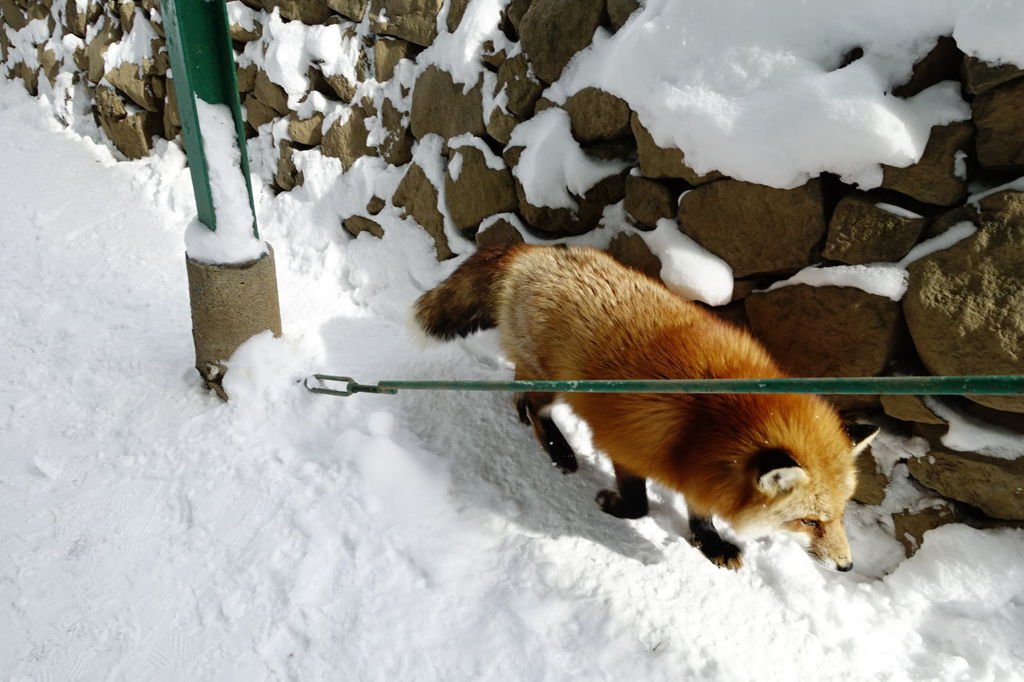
<point x="962" y="314"/>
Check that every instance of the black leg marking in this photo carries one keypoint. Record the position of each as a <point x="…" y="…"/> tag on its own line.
<point x="522" y="408"/>
<point x="630" y="501"/>
<point x="554" y="443"/>
<point x="721" y="552"/>
<point x="529" y="407"/>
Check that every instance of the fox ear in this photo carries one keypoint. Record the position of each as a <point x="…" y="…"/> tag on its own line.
<point x="777" y="471"/>
<point x="861" y="435"/>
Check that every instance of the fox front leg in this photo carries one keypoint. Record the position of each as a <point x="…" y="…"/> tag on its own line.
<point x="535" y="409"/>
<point x="720" y="551"/>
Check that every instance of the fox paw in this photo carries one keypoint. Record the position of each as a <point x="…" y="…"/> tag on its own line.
<point x="611" y="502"/>
<point x="720" y="552"/>
<point x="563" y="458"/>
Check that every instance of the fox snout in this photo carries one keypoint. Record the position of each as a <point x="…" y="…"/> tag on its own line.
<point x="832" y="564"/>
<point x="830" y="547"/>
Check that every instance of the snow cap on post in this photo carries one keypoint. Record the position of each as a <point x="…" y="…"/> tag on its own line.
<point x="232" y="280"/>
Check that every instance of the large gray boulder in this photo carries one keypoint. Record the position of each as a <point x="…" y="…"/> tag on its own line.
<point x="995" y="486"/>
<point x="909" y="526"/>
<point x="753" y="228"/>
<point x="474" y="190"/>
<point x="412" y="20"/>
<point x="440" y="106"/>
<point x="418" y="199"/>
<point x="662" y="162"/>
<point x="346" y="139"/>
<point x="307" y="131"/>
<point x="131" y="133"/>
<point x="937" y="178"/>
<point x="619" y="11"/>
<point x="942" y="63"/>
<point x="648" y="201"/>
<point x="632" y="251"/>
<point x="522" y="89"/>
<point x="826" y="331"/>
<point x="979" y="75"/>
<point x="965" y="305"/>
<point x="861" y="232"/>
<point x="499" y="231"/>
<point x="311" y="12"/>
<point x="552" y="31"/>
<point x="133" y="81"/>
<point x="270" y="93"/>
<point x="997" y="114"/>
<point x="396" y="147"/>
<point x="387" y="52"/>
<point x="596" y="115"/>
<point x="350" y="9"/>
<point x="287" y="176"/>
<point x="456" y="10"/>
<point x="564" y="221"/>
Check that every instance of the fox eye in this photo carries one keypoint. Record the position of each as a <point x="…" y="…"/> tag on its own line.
<point x="813" y="523"/>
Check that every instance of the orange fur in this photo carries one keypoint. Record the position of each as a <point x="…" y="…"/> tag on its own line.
<point x="575" y="313"/>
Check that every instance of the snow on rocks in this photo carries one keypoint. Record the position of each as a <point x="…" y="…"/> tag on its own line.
<point x="881" y="279"/>
<point x="687" y="268"/>
<point x="460" y="49"/>
<point x="975" y="34"/>
<point x="552" y="167"/>
<point x="724" y="116"/>
<point x="967" y="434"/>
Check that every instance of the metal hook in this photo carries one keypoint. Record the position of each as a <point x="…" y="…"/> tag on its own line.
<point x="351" y="386"/>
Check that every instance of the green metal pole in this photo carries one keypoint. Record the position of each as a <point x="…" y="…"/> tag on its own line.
<point x="919" y="385"/>
<point x="203" y="66"/>
<point x="235" y="301"/>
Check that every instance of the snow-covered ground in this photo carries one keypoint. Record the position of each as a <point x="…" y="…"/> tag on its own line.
<point x="149" y="531"/>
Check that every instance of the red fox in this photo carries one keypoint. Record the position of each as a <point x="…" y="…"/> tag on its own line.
<point x="760" y="462"/>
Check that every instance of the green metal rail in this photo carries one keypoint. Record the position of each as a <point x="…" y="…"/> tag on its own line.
<point x="203" y="66"/>
<point x="916" y="385"/>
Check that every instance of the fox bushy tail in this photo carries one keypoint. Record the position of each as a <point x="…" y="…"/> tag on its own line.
<point x="464" y="303"/>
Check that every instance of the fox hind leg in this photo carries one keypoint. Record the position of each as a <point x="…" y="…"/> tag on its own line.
<point x="720" y="551"/>
<point x="630" y="500"/>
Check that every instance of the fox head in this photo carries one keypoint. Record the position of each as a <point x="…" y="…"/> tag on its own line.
<point x="804" y="490"/>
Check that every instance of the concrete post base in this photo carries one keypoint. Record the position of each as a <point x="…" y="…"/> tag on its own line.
<point x="230" y="304"/>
